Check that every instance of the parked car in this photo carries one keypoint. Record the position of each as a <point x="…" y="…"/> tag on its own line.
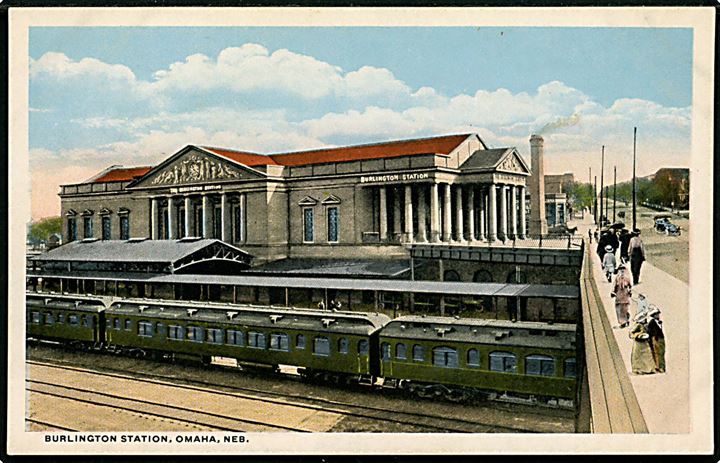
<point x="663" y="225"/>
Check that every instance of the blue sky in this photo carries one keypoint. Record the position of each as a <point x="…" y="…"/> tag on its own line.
<point x="101" y="96"/>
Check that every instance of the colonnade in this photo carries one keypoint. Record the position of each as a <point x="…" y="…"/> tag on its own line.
<point x="207" y="227"/>
<point x="444" y="212"/>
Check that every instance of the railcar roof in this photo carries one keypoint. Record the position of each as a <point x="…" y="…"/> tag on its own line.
<point x="482" y="331"/>
<point x="260" y="316"/>
<point x="57" y="301"/>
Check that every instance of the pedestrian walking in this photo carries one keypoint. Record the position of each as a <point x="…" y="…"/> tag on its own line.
<point x="622" y="292"/>
<point x="641" y="359"/>
<point x="609" y="262"/>
<point x="657" y="339"/>
<point x="636" y="250"/>
<point x="624" y="244"/>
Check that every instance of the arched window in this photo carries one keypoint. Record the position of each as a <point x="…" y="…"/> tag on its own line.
<point x="451" y="275"/>
<point x="445" y="357"/>
<point x="473" y="358"/>
<point x="418" y="353"/>
<point x="569" y="369"/>
<point x="279" y="341"/>
<point x="300" y="341"/>
<point x="343" y="345"/>
<point x="400" y="351"/>
<point x="385" y="351"/>
<point x="482" y="276"/>
<point x="363" y="347"/>
<point x="504" y="362"/>
<point x="542" y="365"/>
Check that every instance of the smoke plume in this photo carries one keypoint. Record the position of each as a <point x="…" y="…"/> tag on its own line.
<point x="559" y="123"/>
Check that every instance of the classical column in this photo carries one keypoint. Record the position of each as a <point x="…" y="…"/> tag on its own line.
<point x="481" y="232"/>
<point x="243" y="218"/>
<point x="207" y="216"/>
<point x="513" y="211"/>
<point x="459" y="209"/>
<point x="471" y="213"/>
<point x="447" y="219"/>
<point x="154" y="229"/>
<point x="172" y="219"/>
<point x="383" y="214"/>
<point x="434" y="214"/>
<point x="503" y="212"/>
<point x="226" y="219"/>
<point x="422" y="229"/>
<point x="492" y="211"/>
<point x="523" y="225"/>
<point x="397" y="210"/>
<point x="408" y="215"/>
<point x="188" y="216"/>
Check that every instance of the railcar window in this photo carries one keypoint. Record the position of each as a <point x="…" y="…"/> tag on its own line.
<point x="108" y="323"/>
<point x="236" y="338"/>
<point x="505" y="362"/>
<point x="363" y="347"/>
<point x="279" y="341"/>
<point x="176" y="332"/>
<point x="256" y="340"/>
<point x="61" y="318"/>
<point x="73" y="320"/>
<point x="214" y="335"/>
<point x="418" y="353"/>
<point x="195" y="334"/>
<point x="569" y="368"/>
<point x="321" y="347"/>
<point x="343" y="345"/>
<point x="87" y="321"/>
<point x="128" y="324"/>
<point x="145" y="329"/>
<point x="445" y="357"/>
<point x="300" y="341"/>
<point x="542" y="365"/>
<point x="35" y="317"/>
<point x="49" y="318"/>
<point x="473" y="358"/>
<point x="385" y="350"/>
<point x="401" y="351"/>
<point x="160" y="327"/>
<point x="117" y="323"/>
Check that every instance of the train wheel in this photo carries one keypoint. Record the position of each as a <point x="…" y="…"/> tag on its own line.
<point x="457" y="395"/>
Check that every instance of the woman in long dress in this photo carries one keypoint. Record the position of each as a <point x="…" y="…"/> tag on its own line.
<point x="642" y="358"/>
<point x="622" y="290"/>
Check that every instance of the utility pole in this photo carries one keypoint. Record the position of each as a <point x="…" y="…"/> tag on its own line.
<point x="595" y="201"/>
<point x="607" y="202"/>
<point x="614" y="190"/>
<point x="633" y="181"/>
<point x="602" y="171"/>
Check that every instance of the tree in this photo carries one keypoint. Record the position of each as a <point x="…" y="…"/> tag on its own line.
<point x="580" y="195"/>
<point x="44" y="228"/>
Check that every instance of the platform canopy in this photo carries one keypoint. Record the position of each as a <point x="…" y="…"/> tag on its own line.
<point x="186" y="255"/>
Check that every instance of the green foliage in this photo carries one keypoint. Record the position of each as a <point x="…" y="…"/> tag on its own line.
<point x="43" y="229"/>
<point x="579" y="194"/>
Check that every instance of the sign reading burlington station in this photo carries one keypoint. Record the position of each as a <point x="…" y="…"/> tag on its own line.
<point x="394" y="177"/>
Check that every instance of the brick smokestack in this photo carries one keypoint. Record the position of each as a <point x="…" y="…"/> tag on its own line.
<point x="536" y="185"/>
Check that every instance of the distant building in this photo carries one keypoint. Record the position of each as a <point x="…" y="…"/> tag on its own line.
<point x="557" y="183"/>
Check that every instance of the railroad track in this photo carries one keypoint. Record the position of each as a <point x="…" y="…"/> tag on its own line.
<point x="47" y="424"/>
<point x="407" y="419"/>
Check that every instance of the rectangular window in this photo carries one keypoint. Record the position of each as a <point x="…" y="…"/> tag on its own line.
<point x="308" y="225"/>
<point x="106" y="228"/>
<point x="180" y="222"/>
<point x="164" y="232"/>
<point x="35" y="317"/>
<point x="195" y="334"/>
<point x="279" y="341"/>
<point x="321" y="347"/>
<point x="332" y="225"/>
<point x="236" y="338"/>
<point x="176" y="332"/>
<point x="73" y="320"/>
<point x="445" y="357"/>
<point x="256" y="340"/>
<point x="61" y="318"/>
<point x="49" y="318"/>
<point x="217" y="223"/>
<point x="87" y="227"/>
<point x="237" y="224"/>
<point x="117" y="323"/>
<point x="300" y="341"/>
<point x="214" y="335"/>
<point x="145" y="329"/>
<point x="72" y="229"/>
<point x="128" y="324"/>
<point x="125" y="228"/>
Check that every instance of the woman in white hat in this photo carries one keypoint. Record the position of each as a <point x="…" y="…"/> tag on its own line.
<point x="609" y="262"/>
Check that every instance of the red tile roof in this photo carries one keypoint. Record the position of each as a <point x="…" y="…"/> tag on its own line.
<point x="122" y="174"/>
<point x="436" y="145"/>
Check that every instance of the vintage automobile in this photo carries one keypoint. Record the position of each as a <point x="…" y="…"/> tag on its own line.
<point x="663" y="225"/>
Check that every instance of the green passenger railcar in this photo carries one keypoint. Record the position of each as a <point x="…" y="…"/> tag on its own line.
<point x="317" y="341"/>
<point x="65" y="319"/>
<point x="454" y="357"/>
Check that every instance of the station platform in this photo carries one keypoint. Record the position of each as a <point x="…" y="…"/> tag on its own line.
<point x="663" y="398"/>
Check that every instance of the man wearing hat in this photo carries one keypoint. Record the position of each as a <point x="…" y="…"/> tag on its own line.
<point x="622" y="292"/>
<point x="609" y="262"/>
<point x="657" y="338"/>
<point x="636" y="250"/>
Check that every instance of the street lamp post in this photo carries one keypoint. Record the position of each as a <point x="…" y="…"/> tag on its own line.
<point x="634" y="199"/>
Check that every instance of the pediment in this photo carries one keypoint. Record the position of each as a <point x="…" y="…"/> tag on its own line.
<point x="331" y="199"/>
<point x="512" y="162"/>
<point x="307" y="201"/>
<point x="194" y="166"/>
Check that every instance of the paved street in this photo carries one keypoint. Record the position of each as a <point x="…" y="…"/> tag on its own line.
<point x="663" y="398"/>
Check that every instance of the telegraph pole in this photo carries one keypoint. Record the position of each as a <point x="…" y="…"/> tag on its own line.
<point x="595" y="201"/>
<point x="633" y="181"/>
<point x="602" y="171"/>
<point x="614" y="190"/>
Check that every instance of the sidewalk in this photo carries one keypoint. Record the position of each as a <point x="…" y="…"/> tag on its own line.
<point x="663" y="398"/>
